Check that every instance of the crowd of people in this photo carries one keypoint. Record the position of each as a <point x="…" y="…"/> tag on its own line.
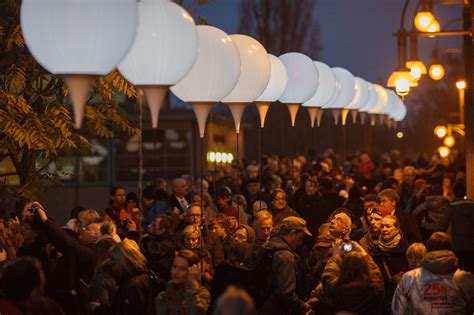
<point x="286" y="236"/>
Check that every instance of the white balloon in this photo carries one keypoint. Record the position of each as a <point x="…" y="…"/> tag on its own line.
<point x="348" y="88"/>
<point x="165" y="47"/>
<point x="328" y="87"/>
<point x="303" y="78"/>
<point x="362" y="94"/>
<point x="79" y="37"/>
<point x="373" y="98"/>
<point x="254" y="70"/>
<point x="277" y="83"/>
<point x="392" y="103"/>
<point x="216" y="70"/>
<point x="382" y="100"/>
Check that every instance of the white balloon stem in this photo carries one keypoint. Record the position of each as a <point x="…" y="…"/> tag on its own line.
<point x="154" y="94"/>
<point x="354" y="116"/>
<point x="319" y="116"/>
<point x="262" y="111"/>
<point x="373" y="118"/>
<point x="313" y="111"/>
<point x="237" y="110"/>
<point x="201" y="110"/>
<point x="345" y="112"/>
<point x="336" y="113"/>
<point x="293" y="108"/>
<point x="78" y="86"/>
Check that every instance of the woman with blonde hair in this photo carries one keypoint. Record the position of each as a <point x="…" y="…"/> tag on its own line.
<point x="122" y="284"/>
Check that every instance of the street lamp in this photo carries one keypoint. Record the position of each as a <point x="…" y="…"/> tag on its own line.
<point x="436" y="71"/>
<point x="423" y="20"/>
<point x="444" y="151"/>
<point x="461" y="86"/>
<point x="449" y="141"/>
<point x="441" y="131"/>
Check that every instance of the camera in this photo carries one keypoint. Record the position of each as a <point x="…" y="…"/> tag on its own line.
<point x="347" y="247"/>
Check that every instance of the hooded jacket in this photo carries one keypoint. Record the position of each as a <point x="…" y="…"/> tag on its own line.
<point x="437" y="287"/>
<point x="286" y="280"/>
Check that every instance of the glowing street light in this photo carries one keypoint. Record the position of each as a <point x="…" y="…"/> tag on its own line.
<point x="399" y="135"/>
<point x="423" y="20"/>
<point x="440" y="131"/>
<point x="449" y="141"/>
<point x="434" y="27"/>
<point x="436" y="71"/>
<point x="444" y="151"/>
<point x="461" y="85"/>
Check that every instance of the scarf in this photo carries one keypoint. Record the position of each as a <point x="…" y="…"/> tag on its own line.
<point x="372" y="240"/>
<point x="387" y="246"/>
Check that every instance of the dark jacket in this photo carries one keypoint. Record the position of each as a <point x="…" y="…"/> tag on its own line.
<point x="73" y="272"/>
<point x="352" y="297"/>
<point x="159" y="252"/>
<point x="391" y="263"/>
<point x="409" y="226"/>
<point x="460" y="215"/>
<point x="313" y="209"/>
<point x="174" y="203"/>
<point x="430" y="212"/>
<point x="286" y="280"/>
<point x="121" y="291"/>
<point x="182" y="299"/>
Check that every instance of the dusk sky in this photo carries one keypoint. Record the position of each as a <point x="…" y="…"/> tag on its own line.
<point x="355" y="34"/>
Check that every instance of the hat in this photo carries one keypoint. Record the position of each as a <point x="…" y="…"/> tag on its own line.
<point x="223" y="192"/>
<point x="382" y="210"/>
<point x="250" y="233"/>
<point x="295" y="223"/>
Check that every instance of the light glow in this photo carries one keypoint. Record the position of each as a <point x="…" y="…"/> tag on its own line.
<point x="440" y="131"/>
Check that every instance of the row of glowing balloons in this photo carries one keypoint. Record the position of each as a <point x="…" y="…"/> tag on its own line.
<point x="156" y="45"/>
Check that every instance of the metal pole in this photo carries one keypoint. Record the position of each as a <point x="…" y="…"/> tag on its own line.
<point x="468" y="17"/>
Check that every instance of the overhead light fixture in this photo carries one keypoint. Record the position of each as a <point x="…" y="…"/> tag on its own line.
<point x="434" y="27"/>
<point x="444" y="151"/>
<point x="440" y="131"/>
<point x="449" y="141"/>
<point x="436" y="71"/>
<point x="423" y="20"/>
<point x="417" y="68"/>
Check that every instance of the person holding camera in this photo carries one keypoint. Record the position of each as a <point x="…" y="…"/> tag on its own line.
<point x="74" y="270"/>
<point x="351" y="283"/>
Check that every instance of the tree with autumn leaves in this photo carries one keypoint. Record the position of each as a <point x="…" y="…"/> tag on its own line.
<point x="36" y="126"/>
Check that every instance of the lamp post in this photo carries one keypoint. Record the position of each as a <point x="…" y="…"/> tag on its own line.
<point x="468" y="41"/>
<point x="461" y="86"/>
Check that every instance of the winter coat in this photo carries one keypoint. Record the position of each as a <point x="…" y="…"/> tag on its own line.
<point x="431" y="211"/>
<point x="286" y="281"/>
<point x="437" y="287"/>
<point x="182" y="299"/>
<point x="120" y="291"/>
<point x="354" y="297"/>
<point x="390" y="264"/>
<point x="160" y="253"/>
<point x="460" y="215"/>
<point x="312" y="209"/>
<point x="409" y="226"/>
<point x="73" y="271"/>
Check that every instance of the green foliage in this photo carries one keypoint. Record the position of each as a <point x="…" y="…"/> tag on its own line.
<point x="35" y="114"/>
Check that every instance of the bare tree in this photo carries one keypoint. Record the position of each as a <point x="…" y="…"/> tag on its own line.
<point x="282" y="25"/>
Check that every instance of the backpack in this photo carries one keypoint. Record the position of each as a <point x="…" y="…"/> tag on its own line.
<point x="248" y="267"/>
